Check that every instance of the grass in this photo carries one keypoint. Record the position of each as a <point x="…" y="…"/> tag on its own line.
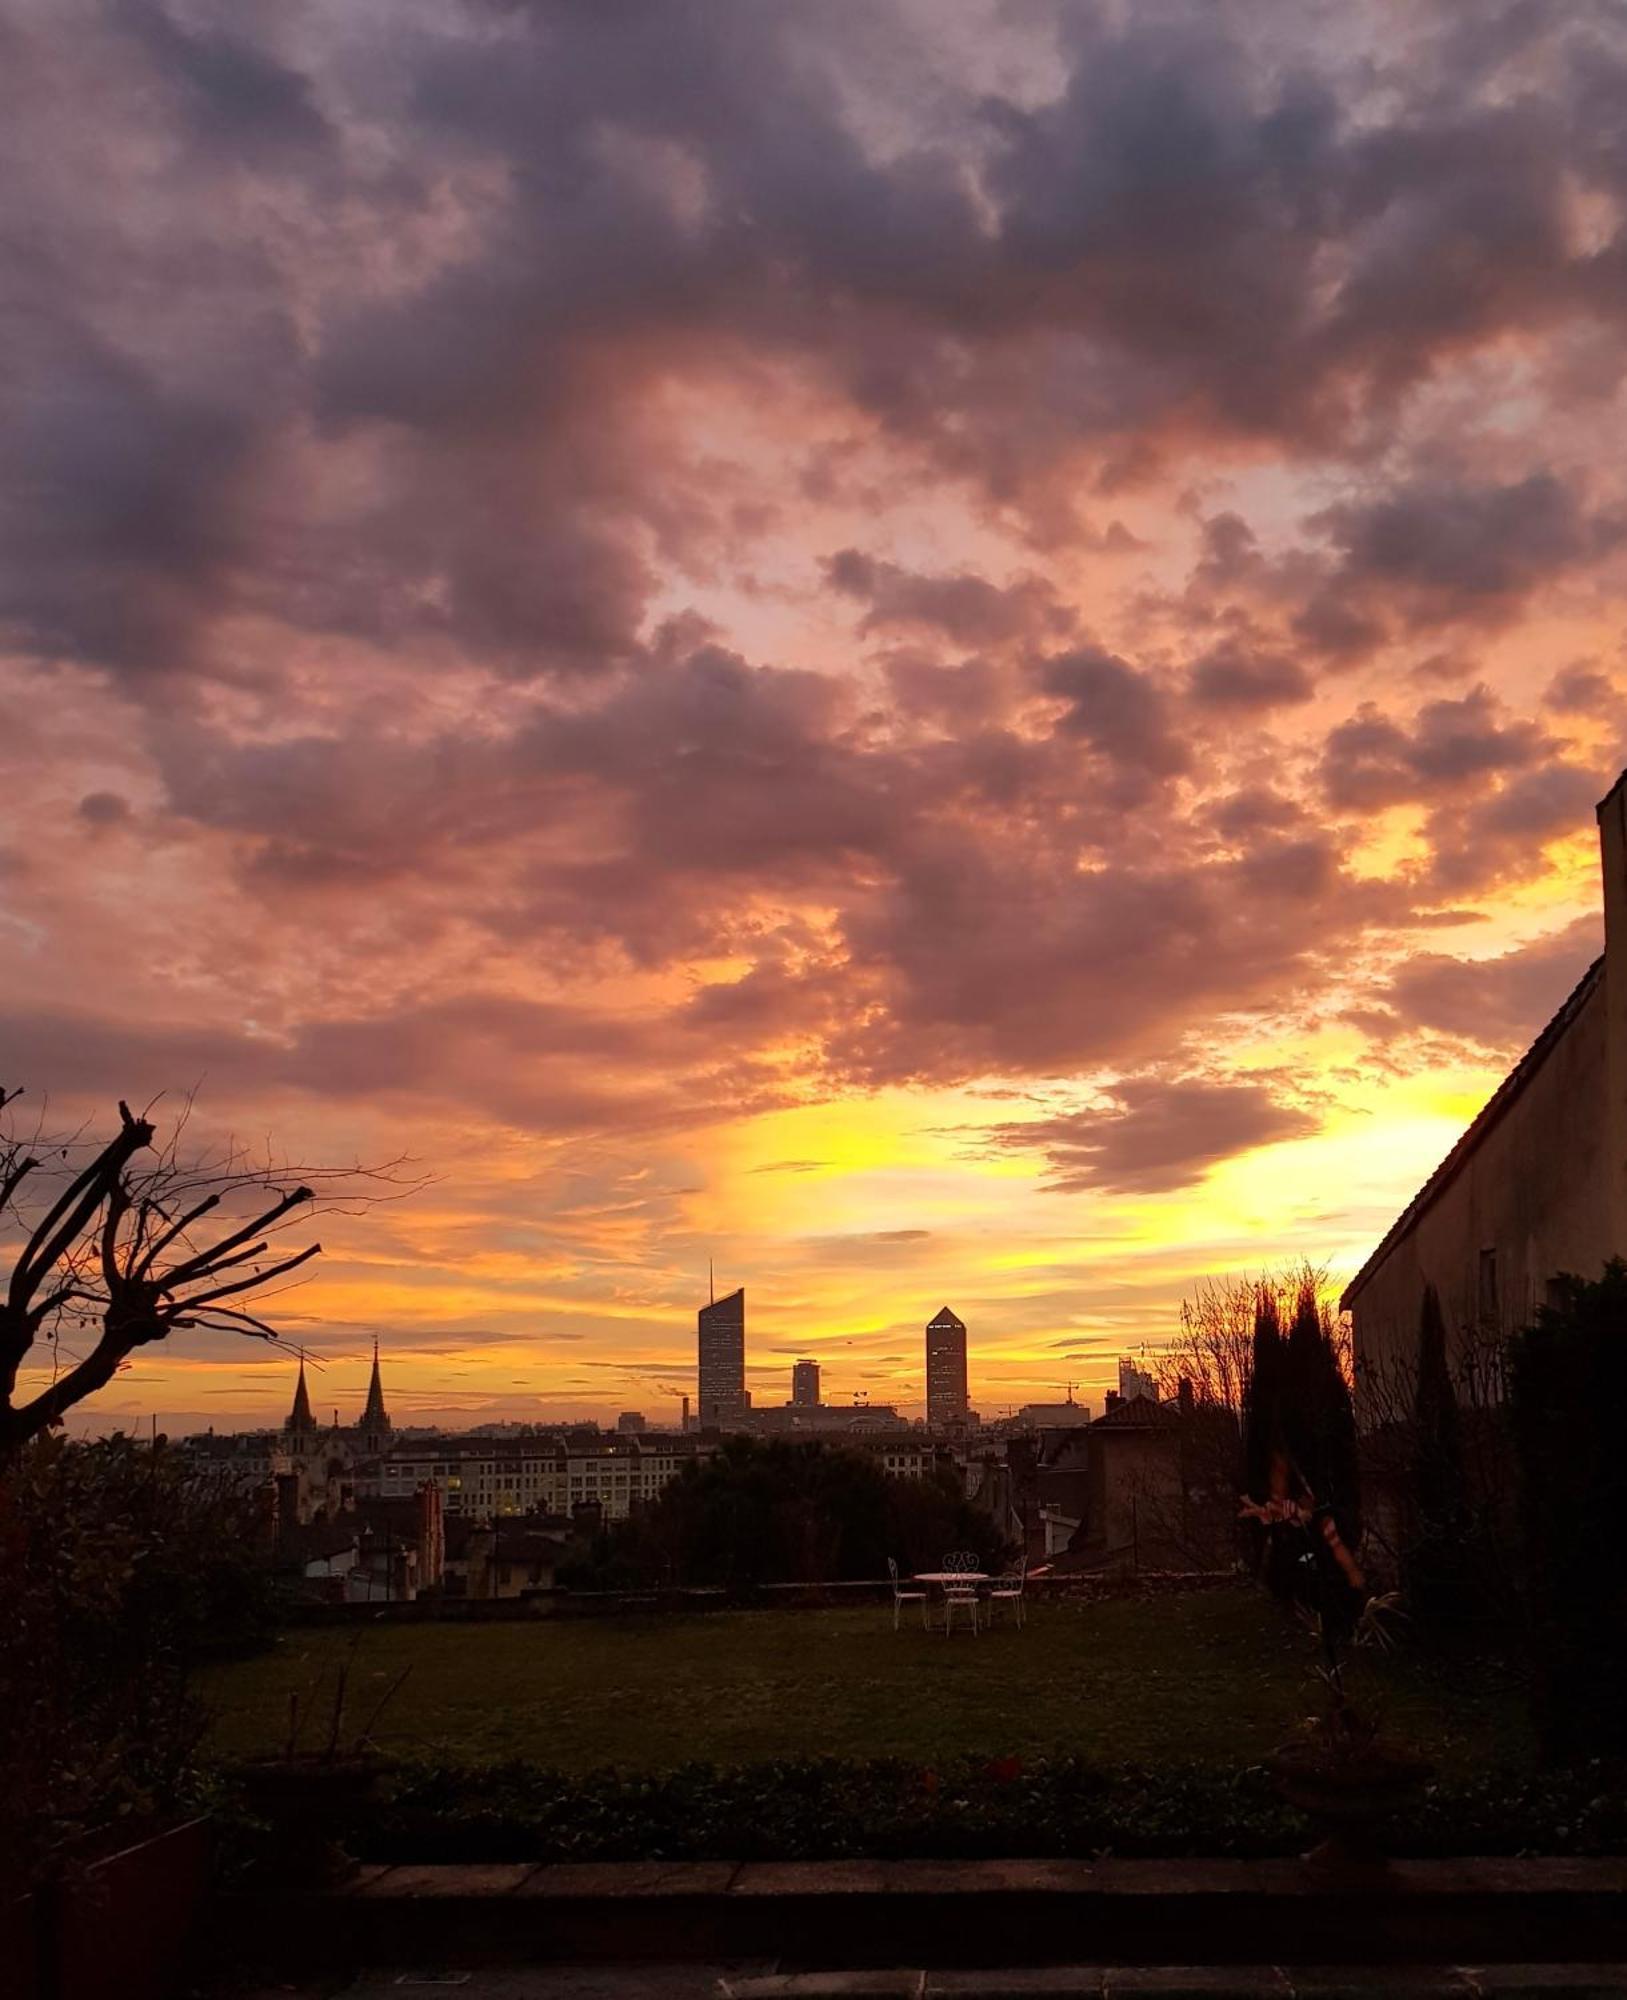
<point x="1211" y="1678"/>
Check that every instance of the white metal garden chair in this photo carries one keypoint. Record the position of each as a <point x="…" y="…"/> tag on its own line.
<point x="901" y="1597"/>
<point x="1008" y="1590"/>
<point x="961" y="1596"/>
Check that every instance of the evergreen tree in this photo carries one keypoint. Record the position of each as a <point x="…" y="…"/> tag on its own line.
<point x="1265" y="1457"/>
<point x="1568" y="1385"/>
<point x="1438" y="1550"/>
<point x="1318" y="1418"/>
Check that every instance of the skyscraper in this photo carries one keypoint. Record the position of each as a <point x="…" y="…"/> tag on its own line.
<point x="945" y="1368"/>
<point x="805" y="1385"/>
<point x="721" y="1345"/>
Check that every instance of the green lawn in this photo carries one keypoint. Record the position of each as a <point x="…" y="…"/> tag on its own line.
<point x="1213" y="1677"/>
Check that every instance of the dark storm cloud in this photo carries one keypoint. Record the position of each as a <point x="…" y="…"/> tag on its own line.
<point x="1241" y="678"/>
<point x="461" y="348"/>
<point x="1583" y="690"/>
<point x="1157" y="1134"/>
<point x="1118" y="710"/>
<point x="500" y="234"/>
<point x="1372" y="761"/>
<point x="235" y="97"/>
<point x="967" y="609"/>
<point x="1442" y="550"/>
<point x="1499" y="1003"/>
<point x="118" y="505"/>
<point x="1477" y="844"/>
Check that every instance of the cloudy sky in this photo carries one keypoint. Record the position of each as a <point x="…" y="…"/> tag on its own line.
<point x="945" y="653"/>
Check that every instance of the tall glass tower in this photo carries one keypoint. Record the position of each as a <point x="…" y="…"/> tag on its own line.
<point x="721" y="1343"/>
<point x="946" y="1400"/>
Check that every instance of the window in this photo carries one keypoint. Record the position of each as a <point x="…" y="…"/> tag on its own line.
<point x="1488" y="1287"/>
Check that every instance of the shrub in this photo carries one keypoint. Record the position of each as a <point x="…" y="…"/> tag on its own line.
<point x="115" y="1569"/>
<point x="784" y="1512"/>
<point x="1568" y="1384"/>
<point x="827" y="1809"/>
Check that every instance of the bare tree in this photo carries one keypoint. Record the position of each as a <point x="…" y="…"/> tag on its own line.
<point x="117" y="1250"/>
<point x="1214" y="1350"/>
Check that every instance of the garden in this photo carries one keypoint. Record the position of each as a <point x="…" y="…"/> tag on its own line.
<point x="1134" y="1724"/>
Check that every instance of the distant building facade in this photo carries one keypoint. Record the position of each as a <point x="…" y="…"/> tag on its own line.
<point x="721" y="1361"/>
<point x="630" y="1423"/>
<point x="1134" y="1381"/>
<point x="805" y="1385"/>
<point x="1064" y="1416"/>
<point x="496" y="1478"/>
<point x="946" y="1395"/>
<point x="1536" y="1187"/>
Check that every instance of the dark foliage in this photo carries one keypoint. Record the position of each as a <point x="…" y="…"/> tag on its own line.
<point x="116" y="1571"/>
<point x="784" y="1512"/>
<point x="1568" y="1384"/>
<point x="1299" y="1448"/>
<point x="1439" y="1557"/>
<point x="1264" y="1445"/>
<point x="1318" y="1420"/>
<point x="829" y="1808"/>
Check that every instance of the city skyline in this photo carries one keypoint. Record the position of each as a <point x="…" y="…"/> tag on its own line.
<point x="1004" y="701"/>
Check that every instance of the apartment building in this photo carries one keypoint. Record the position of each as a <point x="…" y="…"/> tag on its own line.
<point x="490" y="1477"/>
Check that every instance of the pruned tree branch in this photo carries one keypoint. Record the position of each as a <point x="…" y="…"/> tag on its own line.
<point x="118" y="1249"/>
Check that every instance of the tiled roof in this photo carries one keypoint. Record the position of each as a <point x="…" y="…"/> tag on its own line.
<point x="1488" y="1115"/>
<point x="1136" y="1413"/>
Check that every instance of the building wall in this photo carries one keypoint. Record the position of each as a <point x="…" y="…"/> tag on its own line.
<point x="1613" y="855"/>
<point x="1530" y="1200"/>
<point x="1135" y="1499"/>
<point x="1543" y="1190"/>
<point x="488" y="1479"/>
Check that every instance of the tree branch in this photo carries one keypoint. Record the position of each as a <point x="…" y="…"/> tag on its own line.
<point x="206" y="1260"/>
<point x="248" y="1284"/>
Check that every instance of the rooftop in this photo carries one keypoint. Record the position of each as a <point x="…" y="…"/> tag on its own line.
<point x="1501" y="1099"/>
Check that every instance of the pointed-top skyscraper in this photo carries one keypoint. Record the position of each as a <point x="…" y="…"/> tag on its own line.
<point x="721" y="1340"/>
<point x="375" y="1423"/>
<point x="945" y="1368"/>
<point x="300" y="1421"/>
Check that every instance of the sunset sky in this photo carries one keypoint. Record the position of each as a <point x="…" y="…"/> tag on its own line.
<point x="947" y="653"/>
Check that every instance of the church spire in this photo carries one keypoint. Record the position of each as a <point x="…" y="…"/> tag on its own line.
<point x="375" y="1419"/>
<point x="300" y="1418"/>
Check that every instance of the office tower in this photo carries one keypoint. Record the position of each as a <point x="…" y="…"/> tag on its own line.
<point x="721" y="1343"/>
<point x="805" y="1385"/>
<point x="1135" y="1381"/>
<point x="945" y="1369"/>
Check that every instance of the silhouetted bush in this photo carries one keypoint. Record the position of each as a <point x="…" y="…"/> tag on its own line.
<point x="117" y="1570"/>
<point x="1299" y="1453"/>
<point x="1438" y="1559"/>
<point x="787" y="1512"/>
<point x="832" y="1808"/>
<point x="1568" y="1388"/>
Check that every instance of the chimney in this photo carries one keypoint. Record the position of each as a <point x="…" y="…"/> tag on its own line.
<point x="1186" y="1396"/>
<point x="1613" y="857"/>
<point x="1113" y="1399"/>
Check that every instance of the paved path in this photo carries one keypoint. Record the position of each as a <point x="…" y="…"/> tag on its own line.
<point x="720" y="1982"/>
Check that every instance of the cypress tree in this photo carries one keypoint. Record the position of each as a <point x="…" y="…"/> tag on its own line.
<point x="1437" y="1565"/>
<point x="1568" y="1387"/>
<point x="1264" y="1446"/>
<point x="1319" y="1425"/>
